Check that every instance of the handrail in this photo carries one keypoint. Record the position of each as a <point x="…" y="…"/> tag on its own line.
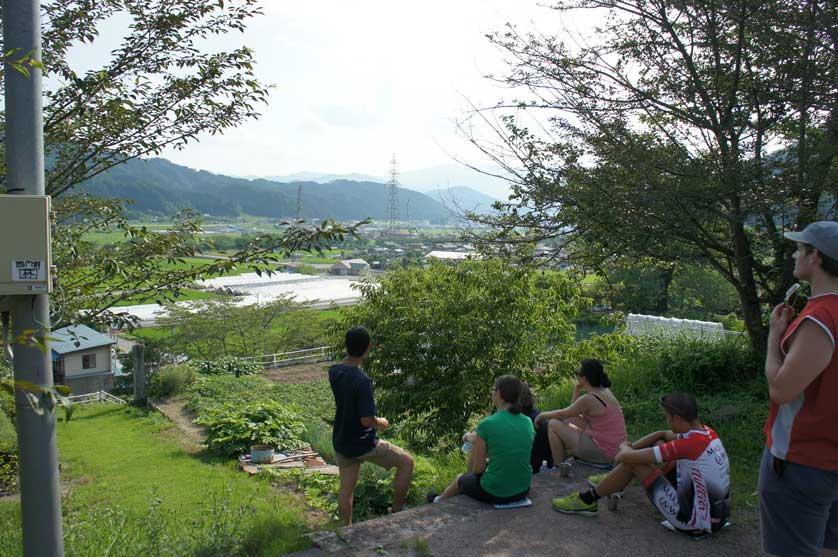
<point x="281" y="359"/>
<point x="98" y="396"/>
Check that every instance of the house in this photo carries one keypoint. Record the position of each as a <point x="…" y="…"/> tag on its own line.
<point x="451" y="255"/>
<point x="81" y="359"/>
<point x="350" y="267"/>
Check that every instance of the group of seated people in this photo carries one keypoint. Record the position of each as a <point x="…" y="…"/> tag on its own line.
<point x="684" y="468"/>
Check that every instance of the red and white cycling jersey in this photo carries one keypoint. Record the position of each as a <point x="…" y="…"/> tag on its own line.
<point x="703" y="471"/>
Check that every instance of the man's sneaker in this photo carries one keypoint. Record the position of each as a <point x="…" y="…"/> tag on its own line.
<point x="431" y="496"/>
<point x="573" y="504"/>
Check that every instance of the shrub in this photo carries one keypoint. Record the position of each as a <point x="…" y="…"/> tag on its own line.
<point x="233" y="428"/>
<point x="313" y="399"/>
<point x="692" y="365"/>
<point x="229" y="365"/>
<point x="172" y="379"/>
<point x="442" y="335"/>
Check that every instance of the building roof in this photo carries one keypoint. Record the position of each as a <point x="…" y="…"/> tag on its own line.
<point x="76" y="338"/>
<point x="451" y="255"/>
<point x="352" y="264"/>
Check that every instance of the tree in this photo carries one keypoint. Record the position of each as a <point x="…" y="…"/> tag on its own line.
<point x="159" y="89"/>
<point x="695" y="131"/>
<point x="211" y="329"/>
<point x="441" y="335"/>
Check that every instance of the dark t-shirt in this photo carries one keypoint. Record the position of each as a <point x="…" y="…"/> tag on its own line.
<point x="353" y="401"/>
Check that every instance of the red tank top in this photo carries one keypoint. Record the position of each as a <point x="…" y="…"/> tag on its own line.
<point x="805" y="430"/>
<point x="609" y="430"/>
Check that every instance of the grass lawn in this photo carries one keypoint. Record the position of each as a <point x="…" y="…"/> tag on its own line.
<point x="185" y="295"/>
<point x="127" y="468"/>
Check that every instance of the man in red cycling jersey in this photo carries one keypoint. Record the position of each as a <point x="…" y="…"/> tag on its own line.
<point x="798" y="477"/>
<point x="686" y="476"/>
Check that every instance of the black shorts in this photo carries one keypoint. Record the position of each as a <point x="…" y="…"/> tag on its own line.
<point x="469" y="484"/>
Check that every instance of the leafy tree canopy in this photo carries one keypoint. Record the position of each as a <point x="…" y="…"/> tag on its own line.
<point x="441" y="336"/>
<point x="160" y="88"/>
<point x="692" y="130"/>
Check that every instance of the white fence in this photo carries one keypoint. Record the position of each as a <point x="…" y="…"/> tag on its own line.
<point x="98" y="396"/>
<point x="641" y="325"/>
<point x="282" y="359"/>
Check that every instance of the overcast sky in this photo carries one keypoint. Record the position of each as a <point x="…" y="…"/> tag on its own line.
<point x="358" y="81"/>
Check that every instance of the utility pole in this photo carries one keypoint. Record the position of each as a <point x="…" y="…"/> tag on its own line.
<point x="40" y="496"/>
<point x="299" y="202"/>
<point x="392" y="198"/>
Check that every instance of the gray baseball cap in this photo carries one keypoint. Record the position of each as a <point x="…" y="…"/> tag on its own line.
<point x="822" y="235"/>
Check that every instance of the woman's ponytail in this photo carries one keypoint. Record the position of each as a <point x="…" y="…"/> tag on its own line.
<point x="595" y="374"/>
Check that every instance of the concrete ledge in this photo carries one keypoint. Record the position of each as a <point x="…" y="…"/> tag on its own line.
<point x="463" y="527"/>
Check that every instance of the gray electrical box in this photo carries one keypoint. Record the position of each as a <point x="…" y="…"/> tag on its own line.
<point x="25" y="255"/>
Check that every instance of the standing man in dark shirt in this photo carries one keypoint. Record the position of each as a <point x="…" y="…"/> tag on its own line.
<point x="354" y="435"/>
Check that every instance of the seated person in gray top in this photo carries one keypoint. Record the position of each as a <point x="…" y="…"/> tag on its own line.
<point x="354" y="431"/>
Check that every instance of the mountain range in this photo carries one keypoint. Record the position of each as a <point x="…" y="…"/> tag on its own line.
<point x="160" y="187"/>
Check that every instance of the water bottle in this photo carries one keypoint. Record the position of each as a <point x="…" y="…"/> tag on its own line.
<point x="467" y="447"/>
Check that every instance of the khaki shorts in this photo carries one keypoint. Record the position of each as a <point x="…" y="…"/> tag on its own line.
<point x="384" y="454"/>
<point x="588" y="450"/>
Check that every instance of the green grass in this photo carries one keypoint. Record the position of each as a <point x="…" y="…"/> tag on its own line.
<point x="127" y="461"/>
<point x="186" y="294"/>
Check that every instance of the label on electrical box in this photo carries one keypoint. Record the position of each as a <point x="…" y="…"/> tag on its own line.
<point x="29" y="270"/>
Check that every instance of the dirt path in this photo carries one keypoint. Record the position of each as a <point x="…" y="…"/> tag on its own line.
<point x="304" y="373"/>
<point x="175" y="410"/>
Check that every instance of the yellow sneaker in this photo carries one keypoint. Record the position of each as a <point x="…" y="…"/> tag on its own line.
<point x="573" y="504"/>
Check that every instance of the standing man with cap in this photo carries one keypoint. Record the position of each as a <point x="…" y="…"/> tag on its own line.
<point x="798" y="479"/>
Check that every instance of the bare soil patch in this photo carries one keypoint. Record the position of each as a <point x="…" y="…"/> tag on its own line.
<point x="175" y="410"/>
<point x="303" y="373"/>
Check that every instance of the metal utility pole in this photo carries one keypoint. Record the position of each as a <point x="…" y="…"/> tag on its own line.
<point x="299" y="201"/>
<point x="40" y="496"/>
<point x="392" y="198"/>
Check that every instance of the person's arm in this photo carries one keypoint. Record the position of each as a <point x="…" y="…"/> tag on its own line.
<point x="477" y="461"/>
<point x="810" y="351"/>
<point x="577" y="390"/>
<point x="635" y="456"/>
<point x="650" y="440"/>
<point x="578" y="408"/>
<point x="378" y="423"/>
<point x="366" y="407"/>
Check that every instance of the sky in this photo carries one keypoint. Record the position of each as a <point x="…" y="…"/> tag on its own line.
<point x="356" y="82"/>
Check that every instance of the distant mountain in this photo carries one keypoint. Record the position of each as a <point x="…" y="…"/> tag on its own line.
<point x="455" y="175"/>
<point x="431" y="179"/>
<point x="321" y="178"/>
<point x="460" y="200"/>
<point x="160" y="187"/>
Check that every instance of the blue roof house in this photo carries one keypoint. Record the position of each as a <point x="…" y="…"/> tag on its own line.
<point x="81" y="359"/>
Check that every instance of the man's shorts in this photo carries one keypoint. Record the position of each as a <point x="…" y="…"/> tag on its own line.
<point x="798" y="507"/>
<point x="384" y="454"/>
<point x="469" y="484"/>
<point x="660" y="486"/>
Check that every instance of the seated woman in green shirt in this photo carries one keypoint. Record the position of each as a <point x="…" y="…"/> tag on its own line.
<point x="506" y="437"/>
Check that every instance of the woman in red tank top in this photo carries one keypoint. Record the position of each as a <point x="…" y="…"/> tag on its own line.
<point x="593" y="426"/>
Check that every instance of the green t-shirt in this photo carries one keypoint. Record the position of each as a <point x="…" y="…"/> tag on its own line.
<point x="508" y="440"/>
